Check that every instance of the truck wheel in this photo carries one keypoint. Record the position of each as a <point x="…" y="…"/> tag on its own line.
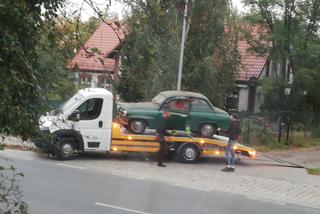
<point x="137" y="126"/>
<point x="188" y="153"/>
<point x="207" y="130"/>
<point x="66" y="149"/>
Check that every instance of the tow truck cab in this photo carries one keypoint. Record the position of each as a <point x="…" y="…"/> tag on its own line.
<point x="83" y="122"/>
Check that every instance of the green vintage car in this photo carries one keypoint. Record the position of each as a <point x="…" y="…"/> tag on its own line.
<point x="188" y="110"/>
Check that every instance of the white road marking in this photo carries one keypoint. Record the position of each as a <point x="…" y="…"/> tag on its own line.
<point x="120" y="208"/>
<point x="71" y="166"/>
<point x="129" y="176"/>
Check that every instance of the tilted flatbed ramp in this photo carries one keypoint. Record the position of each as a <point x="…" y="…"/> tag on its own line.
<point x="126" y="142"/>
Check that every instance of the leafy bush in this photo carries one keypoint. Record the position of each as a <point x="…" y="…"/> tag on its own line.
<point x="10" y="193"/>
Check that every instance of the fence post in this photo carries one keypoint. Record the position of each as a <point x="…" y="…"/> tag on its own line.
<point x="248" y="133"/>
<point x="305" y="125"/>
<point x="280" y="130"/>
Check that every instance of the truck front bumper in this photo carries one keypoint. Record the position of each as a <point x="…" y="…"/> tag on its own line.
<point x="44" y="142"/>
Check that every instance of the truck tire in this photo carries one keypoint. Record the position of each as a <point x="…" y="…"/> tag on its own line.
<point x="188" y="153"/>
<point x="207" y="130"/>
<point x="66" y="149"/>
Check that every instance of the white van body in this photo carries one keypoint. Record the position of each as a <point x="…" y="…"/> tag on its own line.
<point x="94" y="108"/>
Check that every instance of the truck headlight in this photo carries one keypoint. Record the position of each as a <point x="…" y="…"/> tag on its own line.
<point x="46" y="123"/>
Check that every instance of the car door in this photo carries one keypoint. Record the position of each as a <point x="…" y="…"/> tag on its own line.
<point x="179" y="111"/>
<point x="93" y="124"/>
<point x="200" y="112"/>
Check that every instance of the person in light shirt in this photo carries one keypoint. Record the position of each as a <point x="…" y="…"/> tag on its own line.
<point x="233" y="132"/>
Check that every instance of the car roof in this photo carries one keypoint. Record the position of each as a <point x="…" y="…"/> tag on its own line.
<point x="183" y="93"/>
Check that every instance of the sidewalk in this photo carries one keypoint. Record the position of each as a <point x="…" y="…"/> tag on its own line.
<point x="308" y="157"/>
<point x="14" y="141"/>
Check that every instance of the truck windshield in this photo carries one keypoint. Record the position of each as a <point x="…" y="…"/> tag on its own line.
<point x="158" y="99"/>
<point x="64" y="106"/>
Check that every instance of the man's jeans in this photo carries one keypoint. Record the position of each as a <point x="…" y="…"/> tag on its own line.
<point x="230" y="153"/>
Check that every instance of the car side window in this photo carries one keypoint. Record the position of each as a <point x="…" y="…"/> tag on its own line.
<point x="90" y="109"/>
<point x="178" y="105"/>
<point x="199" y="105"/>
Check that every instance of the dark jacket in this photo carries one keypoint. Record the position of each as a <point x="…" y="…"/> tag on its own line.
<point x="162" y="125"/>
<point x="234" y="130"/>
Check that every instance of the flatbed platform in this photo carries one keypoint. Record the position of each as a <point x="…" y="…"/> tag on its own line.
<point x="124" y="141"/>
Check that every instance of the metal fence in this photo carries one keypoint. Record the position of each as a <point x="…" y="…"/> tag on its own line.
<point x="281" y="127"/>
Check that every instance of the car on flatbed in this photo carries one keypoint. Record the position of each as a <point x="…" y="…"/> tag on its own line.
<point x="189" y="110"/>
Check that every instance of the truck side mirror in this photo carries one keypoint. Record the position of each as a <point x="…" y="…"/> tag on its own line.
<point x="74" y="116"/>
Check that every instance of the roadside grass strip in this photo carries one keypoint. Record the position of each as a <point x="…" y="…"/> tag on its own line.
<point x="313" y="171"/>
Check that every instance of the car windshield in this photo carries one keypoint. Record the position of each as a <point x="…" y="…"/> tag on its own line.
<point x="158" y="99"/>
<point x="64" y="106"/>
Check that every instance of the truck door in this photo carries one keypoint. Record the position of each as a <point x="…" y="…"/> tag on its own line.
<point x="95" y="124"/>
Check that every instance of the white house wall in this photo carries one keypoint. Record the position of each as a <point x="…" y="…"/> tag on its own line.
<point x="243" y="98"/>
<point x="94" y="80"/>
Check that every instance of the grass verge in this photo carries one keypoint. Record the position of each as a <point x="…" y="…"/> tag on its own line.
<point x="313" y="171"/>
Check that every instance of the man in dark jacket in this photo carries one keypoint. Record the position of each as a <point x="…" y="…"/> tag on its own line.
<point x="234" y="135"/>
<point x="161" y="133"/>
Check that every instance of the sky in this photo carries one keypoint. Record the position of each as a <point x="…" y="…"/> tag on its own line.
<point x="87" y="11"/>
<point x="115" y="8"/>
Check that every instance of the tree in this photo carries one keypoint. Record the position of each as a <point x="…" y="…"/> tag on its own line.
<point x="151" y="49"/>
<point x="57" y="44"/>
<point x="35" y="46"/>
<point x="33" y="54"/>
<point x="211" y="57"/>
<point x="292" y="27"/>
<point x="21" y="94"/>
<point x="138" y="59"/>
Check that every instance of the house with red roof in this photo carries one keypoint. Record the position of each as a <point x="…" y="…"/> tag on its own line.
<point x="247" y="96"/>
<point x="97" y="63"/>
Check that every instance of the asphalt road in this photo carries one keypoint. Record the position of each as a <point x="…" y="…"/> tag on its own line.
<point x="51" y="187"/>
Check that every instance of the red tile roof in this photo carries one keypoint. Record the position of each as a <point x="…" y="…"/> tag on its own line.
<point x="105" y="39"/>
<point x="251" y="64"/>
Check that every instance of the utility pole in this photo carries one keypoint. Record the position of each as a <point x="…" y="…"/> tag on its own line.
<point x="183" y="38"/>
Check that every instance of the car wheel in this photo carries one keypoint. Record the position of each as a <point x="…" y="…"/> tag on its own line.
<point x="207" y="130"/>
<point x="137" y="126"/>
<point x="66" y="149"/>
<point x="188" y="153"/>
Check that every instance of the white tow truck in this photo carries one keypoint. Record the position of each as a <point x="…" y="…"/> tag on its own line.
<point x="85" y="124"/>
